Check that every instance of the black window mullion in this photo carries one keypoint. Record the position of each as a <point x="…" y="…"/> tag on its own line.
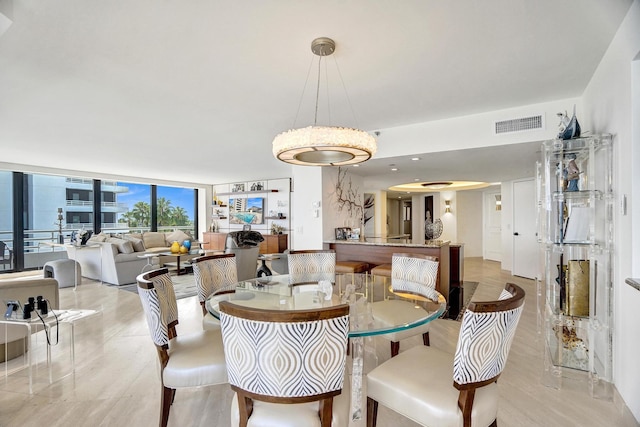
<point x="154" y="208"/>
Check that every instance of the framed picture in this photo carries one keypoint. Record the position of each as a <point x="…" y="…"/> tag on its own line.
<point x="256" y="186"/>
<point x="244" y="210"/>
<point x="343" y="233"/>
<point x="236" y="188"/>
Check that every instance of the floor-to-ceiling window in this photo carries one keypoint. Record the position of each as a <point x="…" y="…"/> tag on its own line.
<point x="176" y="209"/>
<point x="53" y="206"/>
<point x="126" y="206"/>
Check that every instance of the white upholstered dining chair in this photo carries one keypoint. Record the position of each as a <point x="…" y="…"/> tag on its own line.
<point x="213" y="272"/>
<point x="191" y="360"/>
<point x="308" y="266"/>
<point x="412" y="275"/>
<point x="435" y="388"/>
<point x="286" y="367"/>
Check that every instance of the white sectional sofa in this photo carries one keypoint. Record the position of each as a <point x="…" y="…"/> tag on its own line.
<point x="117" y="260"/>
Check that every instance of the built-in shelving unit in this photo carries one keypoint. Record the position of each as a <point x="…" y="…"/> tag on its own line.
<point x="575" y="219"/>
<point x="262" y="204"/>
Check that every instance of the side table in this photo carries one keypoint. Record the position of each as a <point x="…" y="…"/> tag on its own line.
<point x="52" y="326"/>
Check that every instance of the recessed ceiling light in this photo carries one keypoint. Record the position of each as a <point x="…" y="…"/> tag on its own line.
<point x="394" y="169"/>
<point x="356" y="166"/>
<point x="416" y="179"/>
<point x="415" y="158"/>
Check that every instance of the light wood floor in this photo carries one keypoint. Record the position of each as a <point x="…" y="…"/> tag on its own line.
<point x="118" y="384"/>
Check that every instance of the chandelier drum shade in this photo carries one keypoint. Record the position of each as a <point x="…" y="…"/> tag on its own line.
<point x="323" y="145"/>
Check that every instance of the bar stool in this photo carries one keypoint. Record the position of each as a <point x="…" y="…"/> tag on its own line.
<point x="353" y="267"/>
<point x="384" y="271"/>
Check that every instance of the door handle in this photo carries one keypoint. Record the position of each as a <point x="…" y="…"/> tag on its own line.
<point x="516" y="234"/>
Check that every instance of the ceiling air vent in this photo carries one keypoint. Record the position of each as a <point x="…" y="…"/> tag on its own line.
<point x="519" y="125"/>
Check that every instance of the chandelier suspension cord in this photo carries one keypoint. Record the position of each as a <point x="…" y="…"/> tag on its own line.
<point x="355" y="119"/>
<point x="295" y="120"/>
<point x="315" y="117"/>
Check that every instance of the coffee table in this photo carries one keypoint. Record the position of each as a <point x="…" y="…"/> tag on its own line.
<point x="178" y="256"/>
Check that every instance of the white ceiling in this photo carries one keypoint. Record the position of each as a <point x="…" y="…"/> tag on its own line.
<point x="195" y="91"/>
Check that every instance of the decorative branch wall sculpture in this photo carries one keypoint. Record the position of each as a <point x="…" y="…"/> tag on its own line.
<point x="348" y="198"/>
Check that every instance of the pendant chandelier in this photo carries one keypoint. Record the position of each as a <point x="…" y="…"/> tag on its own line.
<point x="323" y="145"/>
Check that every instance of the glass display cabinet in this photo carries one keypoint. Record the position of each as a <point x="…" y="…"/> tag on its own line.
<point x="575" y="232"/>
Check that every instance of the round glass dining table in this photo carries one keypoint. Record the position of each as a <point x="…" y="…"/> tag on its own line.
<point x="285" y="292"/>
<point x="308" y="292"/>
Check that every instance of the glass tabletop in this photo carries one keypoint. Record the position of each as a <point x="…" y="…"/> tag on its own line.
<point x="284" y="292"/>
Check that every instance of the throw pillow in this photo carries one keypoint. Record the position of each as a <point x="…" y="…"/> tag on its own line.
<point x="97" y="238"/>
<point x="124" y="246"/>
<point x="138" y="244"/>
<point x="154" y="239"/>
<point x="177" y="236"/>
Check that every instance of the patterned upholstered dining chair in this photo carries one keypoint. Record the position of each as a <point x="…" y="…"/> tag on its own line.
<point x="417" y="383"/>
<point x="308" y="266"/>
<point x="412" y="275"/>
<point x="294" y="358"/>
<point x="211" y="273"/>
<point x="192" y="360"/>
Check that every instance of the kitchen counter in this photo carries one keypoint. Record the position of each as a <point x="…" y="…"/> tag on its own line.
<point x="379" y="251"/>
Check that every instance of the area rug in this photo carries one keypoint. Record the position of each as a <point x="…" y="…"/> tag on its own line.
<point x="184" y="286"/>
<point x="469" y="288"/>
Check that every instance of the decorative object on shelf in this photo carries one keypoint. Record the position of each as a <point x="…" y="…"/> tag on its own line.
<point x="571" y="173"/>
<point x="569" y="127"/>
<point x="238" y="187"/>
<point x="183" y="249"/>
<point x="59" y="224"/>
<point x="323" y="145"/>
<point x="175" y="247"/>
<point x="276" y="229"/>
<point x="432" y="229"/>
<point x="187" y="244"/>
<point x="256" y="186"/>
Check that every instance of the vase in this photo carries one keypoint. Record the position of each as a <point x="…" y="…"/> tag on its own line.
<point x="175" y="247"/>
<point x="187" y="244"/>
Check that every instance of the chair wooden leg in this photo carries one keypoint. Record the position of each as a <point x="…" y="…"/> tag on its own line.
<point x="395" y="348"/>
<point x="465" y="403"/>
<point x="245" y="407"/>
<point x="165" y="405"/>
<point x="425" y="339"/>
<point x="325" y="411"/>
<point x="372" y="412"/>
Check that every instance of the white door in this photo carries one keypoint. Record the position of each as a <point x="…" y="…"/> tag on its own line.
<point x="492" y="229"/>
<point x="525" y="251"/>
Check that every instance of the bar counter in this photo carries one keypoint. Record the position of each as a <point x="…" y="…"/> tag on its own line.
<point x="376" y="251"/>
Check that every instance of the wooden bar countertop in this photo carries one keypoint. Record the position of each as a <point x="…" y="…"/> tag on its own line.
<point x="376" y="251"/>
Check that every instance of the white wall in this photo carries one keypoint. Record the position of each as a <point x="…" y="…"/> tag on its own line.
<point x="468" y="209"/>
<point x="306" y="228"/>
<point x="608" y="109"/>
